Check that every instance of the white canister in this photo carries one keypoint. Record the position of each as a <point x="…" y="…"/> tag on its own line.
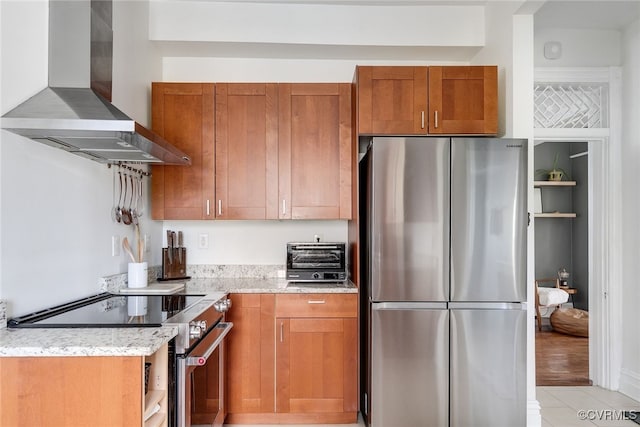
<point x="137" y="306"/>
<point x="138" y="275"/>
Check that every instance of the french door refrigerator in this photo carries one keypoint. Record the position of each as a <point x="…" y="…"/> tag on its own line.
<point x="444" y="273"/>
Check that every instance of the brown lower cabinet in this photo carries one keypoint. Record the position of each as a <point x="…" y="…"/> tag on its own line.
<point x="82" y="391"/>
<point x="292" y="358"/>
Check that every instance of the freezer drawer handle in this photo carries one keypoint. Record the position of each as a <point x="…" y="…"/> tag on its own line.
<point x="311" y="301"/>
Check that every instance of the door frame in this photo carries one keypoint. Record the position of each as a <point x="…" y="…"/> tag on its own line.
<point x="605" y="220"/>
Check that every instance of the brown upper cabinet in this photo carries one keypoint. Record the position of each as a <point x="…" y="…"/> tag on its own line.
<point x="246" y="151"/>
<point x="392" y="100"/>
<point x="277" y="151"/>
<point x="463" y="100"/>
<point x="183" y="113"/>
<point x="453" y="100"/>
<point x="315" y="159"/>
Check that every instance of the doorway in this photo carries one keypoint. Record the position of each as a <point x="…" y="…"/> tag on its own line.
<point x="559" y="116"/>
<point x="562" y="252"/>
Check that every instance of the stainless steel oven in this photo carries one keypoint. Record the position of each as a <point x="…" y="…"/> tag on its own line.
<point x="200" y="380"/>
<point x="199" y="364"/>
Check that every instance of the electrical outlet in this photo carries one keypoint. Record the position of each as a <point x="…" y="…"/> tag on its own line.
<point x="147" y="243"/>
<point x="203" y="241"/>
<point x="115" y="245"/>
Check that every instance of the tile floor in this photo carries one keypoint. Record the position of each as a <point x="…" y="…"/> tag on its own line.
<point x="566" y="406"/>
<point x="561" y="407"/>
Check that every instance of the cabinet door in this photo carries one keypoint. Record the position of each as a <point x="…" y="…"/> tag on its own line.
<point x="182" y="113"/>
<point x="392" y="100"/>
<point x="316" y="365"/>
<point x="315" y="160"/>
<point x="463" y="100"/>
<point x="246" y="151"/>
<point x="250" y="357"/>
<point x="71" y="391"/>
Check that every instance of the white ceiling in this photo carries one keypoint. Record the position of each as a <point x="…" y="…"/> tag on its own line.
<point x="580" y="14"/>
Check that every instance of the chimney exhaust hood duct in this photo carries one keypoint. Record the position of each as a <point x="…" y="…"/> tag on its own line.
<point x="75" y="112"/>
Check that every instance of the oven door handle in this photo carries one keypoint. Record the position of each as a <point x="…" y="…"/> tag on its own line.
<point x="201" y="359"/>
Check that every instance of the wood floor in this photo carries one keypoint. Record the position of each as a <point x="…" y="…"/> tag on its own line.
<point x="561" y="359"/>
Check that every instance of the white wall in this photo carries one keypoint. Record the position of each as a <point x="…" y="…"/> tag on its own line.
<point x="630" y="373"/>
<point x="580" y="48"/>
<point x="326" y="24"/>
<point x="55" y="223"/>
<point x="252" y="242"/>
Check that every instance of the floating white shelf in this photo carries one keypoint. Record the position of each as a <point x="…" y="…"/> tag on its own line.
<point x="555" y="215"/>
<point x="554" y="183"/>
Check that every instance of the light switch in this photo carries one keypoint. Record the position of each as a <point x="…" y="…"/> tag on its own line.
<point x="203" y="241"/>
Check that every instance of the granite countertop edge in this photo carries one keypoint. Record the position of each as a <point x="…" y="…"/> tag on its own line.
<point x="262" y="285"/>
<point x="78" y="342"/>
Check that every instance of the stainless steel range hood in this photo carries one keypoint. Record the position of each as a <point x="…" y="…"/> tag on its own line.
<point x="75" y="117"/>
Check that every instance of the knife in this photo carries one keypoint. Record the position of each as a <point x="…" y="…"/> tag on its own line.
<point x="174" y="240"/>
<point x="169" y="247"/>
<point x="180" y="237"/>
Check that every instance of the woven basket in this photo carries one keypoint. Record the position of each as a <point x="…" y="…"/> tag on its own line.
<point x="570" y="321"/>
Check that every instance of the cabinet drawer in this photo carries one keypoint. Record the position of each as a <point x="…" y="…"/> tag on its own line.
<point x="317" y="305"/>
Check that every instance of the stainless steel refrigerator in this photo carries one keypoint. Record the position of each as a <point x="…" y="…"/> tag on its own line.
<point x="444" y="270"/>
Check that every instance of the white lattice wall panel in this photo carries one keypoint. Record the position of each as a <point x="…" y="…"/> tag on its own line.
<point x="571" y="105"/>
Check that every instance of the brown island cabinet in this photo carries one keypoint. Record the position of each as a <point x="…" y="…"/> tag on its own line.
<point x="84" y="391"/>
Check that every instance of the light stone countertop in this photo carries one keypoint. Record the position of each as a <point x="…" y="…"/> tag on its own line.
<point x="48" y="342"/>
<point x="84" y="341"/>
<point x="265" y="286"/>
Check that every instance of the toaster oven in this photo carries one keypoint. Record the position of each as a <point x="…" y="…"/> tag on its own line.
<point x="316" y="262"/>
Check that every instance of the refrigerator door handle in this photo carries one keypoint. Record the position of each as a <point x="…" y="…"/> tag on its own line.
<point x="409" y="306"/>
<point x="488" y="306"/>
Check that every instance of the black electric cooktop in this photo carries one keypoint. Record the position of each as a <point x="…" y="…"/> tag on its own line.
<point x="108" y="310"/>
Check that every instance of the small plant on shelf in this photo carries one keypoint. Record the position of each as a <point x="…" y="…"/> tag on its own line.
<point x="555" y="173"/>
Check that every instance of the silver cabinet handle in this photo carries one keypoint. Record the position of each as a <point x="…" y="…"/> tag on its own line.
<point x="320" y="301"/>
<point x="281" y="331"/>
<point x="422" y="120"/>
<point x="219" y="207"/>
<point x="435" y="119"/>
<point x="284" y="206"/>
<point x="208" y="207"/>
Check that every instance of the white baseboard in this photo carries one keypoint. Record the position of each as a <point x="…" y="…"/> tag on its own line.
<point x="630" y="384"/>
<point x="534" y="418"/>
